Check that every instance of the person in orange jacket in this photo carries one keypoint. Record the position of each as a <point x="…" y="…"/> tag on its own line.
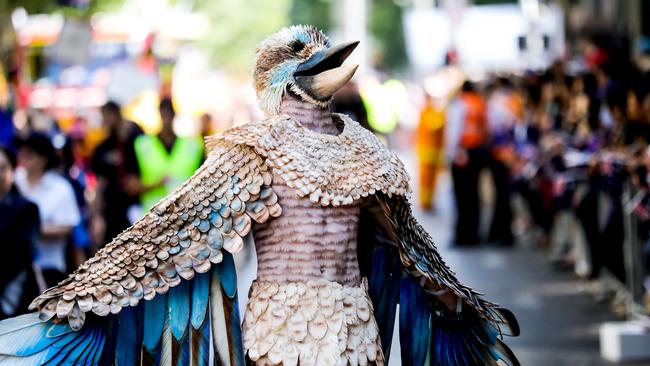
<point x="430" y="150"/>
<point x="466" y="138"/>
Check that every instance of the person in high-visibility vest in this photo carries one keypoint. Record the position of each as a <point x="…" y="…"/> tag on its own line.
<point x="165" y="160"/>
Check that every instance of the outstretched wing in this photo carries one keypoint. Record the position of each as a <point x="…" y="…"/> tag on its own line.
<point x="404" y="266"/>
<point x="163" y="259"/>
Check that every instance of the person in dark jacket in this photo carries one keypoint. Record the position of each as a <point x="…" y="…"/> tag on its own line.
<point x="115" y="165"/>
<point x="19" y="229"/>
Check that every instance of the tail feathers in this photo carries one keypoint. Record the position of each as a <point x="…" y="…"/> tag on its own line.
<point x="468" y="340"/>
<point x="414" y="322"/>
<point x="27" y="340"/>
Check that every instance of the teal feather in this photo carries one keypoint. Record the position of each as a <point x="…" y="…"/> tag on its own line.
<point x="233" y="322"/>
<point x="200" y="343"/>
<point x="200" y="297"/>
<point x="129" y="336"/>
<point x="24" y="335"/>
<point x="87" y="354"/>
<point x="384" y="288"/>
<point x="178" y="309"/>
<point x="183" y="353"/>
<point x="228" y="275"/>
<point x="154" y="320"/>
<point x="414" y="322"/>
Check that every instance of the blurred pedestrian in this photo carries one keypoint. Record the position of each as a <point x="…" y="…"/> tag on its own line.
<point x="19" y="230"/>
<point x="505" y="109"/>
<point x="115" y="165"/>
<point x="165" y="160"/>
<point x="465" y="142"/>
<point x="430" y="150"/>
<point x="57" y="206"/>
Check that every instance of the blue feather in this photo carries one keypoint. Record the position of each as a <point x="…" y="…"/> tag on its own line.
<point x="228" y="275"/>
<point x="183" y="357"/>
<point x="97" y="351"/>
<point x="226" y="324"/>
<point x="384" y="288"/>
<point x="234" y="331"/>
<point x="178" y="309"/>
<point x="154" y="320"/>
<point x="24" y="335"/>
<point x="203" y="356"/>
<point x="200" y="297"/>
<point x="86" y="353"/>
<point x="57" y="330"/>
<point x="60" y="350"/>
<point x="467" y="339"/>
<point x="414" y="322"/>
<point x="129" y="334"/>
<point x="106" y="356"/>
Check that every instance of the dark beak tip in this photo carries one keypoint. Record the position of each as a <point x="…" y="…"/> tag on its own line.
<point x="352" y="45"/>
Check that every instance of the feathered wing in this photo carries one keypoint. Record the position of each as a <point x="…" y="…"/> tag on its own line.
<point x="404" y="266"/>
<point x="162" y="289"/>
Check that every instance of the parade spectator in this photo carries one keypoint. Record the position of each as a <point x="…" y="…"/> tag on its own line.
<point x="505" y="109"/>
<point x="116" y="167"/>
<point x="59" y="213"/>
<point x="465" y="141"/>
<point x="19" y="230"/>
<point x="165" y="160"/>
<point x="430" y="150"/>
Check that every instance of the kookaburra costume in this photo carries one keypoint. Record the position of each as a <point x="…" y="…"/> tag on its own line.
<point x="337" y="246"/>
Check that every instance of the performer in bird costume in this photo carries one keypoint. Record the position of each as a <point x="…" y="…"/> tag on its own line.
<point x="325" y="204"/>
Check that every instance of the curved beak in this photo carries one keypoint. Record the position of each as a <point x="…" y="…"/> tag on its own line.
<point x="324" y="73"/>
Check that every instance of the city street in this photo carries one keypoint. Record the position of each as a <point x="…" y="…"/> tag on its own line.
<point x="559" y="325"/>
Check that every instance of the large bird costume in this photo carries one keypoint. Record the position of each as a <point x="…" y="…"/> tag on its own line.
<point x="337" y="246"/>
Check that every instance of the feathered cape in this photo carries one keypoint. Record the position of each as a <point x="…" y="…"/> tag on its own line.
<point x="151" y="300"/>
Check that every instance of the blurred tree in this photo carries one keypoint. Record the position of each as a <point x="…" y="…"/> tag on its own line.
<point x="79" y="7"/>
<point x="237" y="26"/>
<point x="312" y="12"/>
<point x="388" y="33"/>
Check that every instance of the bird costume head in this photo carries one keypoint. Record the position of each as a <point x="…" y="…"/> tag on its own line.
<point x="300" y="60"/>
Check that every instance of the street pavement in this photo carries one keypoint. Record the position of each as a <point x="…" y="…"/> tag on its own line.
<point x="559" y="323"/>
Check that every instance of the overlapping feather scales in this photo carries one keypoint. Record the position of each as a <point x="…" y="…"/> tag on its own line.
<point x="182" y="235"/>
<point x="330" y="170"/>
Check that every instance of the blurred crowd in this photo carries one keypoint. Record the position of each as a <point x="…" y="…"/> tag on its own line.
<point x="567" y="153"/>
<point x="60" y="203"/>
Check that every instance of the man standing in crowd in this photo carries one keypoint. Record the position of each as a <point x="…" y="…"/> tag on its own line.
<point x="165" y="160"/>
<point x="504" y="110"/>
<point x="115" y="165"/>
<point x="19" y="230"/>
<point x="38" y="182"/>
<point x="465" y="141"/>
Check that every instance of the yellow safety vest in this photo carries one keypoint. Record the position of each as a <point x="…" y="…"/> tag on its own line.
<point x="156" y="163"/>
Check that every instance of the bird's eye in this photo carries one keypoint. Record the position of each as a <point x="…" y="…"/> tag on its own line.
<point x="297" y="46"/>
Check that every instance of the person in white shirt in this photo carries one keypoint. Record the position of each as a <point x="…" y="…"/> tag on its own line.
<point x="56" y="203"/>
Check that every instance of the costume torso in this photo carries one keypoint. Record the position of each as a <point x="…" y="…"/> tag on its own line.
<point x="309" y="299"/>
<point x="308" y="242"/>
